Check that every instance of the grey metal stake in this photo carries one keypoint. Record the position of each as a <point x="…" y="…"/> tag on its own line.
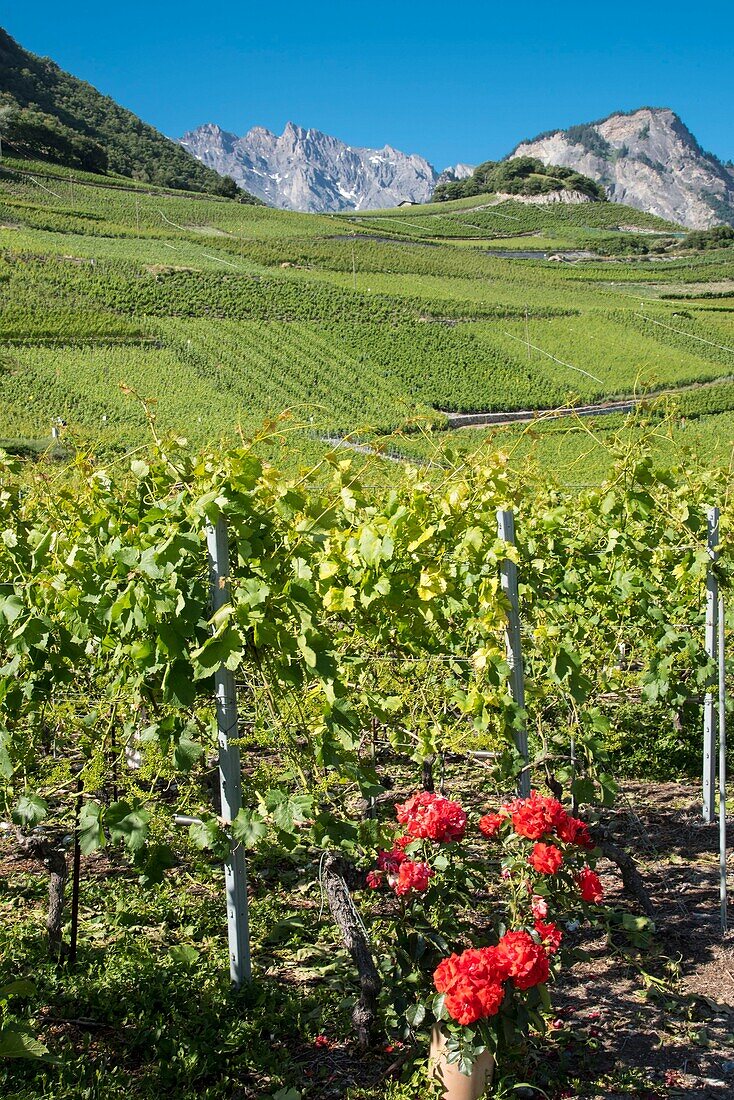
<point x="722" y="766"/>
<point x="709" y="704"/>
<point x="230" y="775"/>
<point x="513" y="644"/>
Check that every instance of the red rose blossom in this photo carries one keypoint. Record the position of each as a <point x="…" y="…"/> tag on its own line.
<point x="375" y="879"/>
<point x="575" y="831"/>
<point x="539" y="815"/>
<point x="545" y="858"/>
<point x="471" y="983"/>
<point x="535" y="816"/>
<point x="522" y="959"/>
<point x="590" y="885"/>
<point x="413" y="877"/>
<point x="432" y="817"/>
<point x="491" y="824"/>
<point x="550" y="934"/>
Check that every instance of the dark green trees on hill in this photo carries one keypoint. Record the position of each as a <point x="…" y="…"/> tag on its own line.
<point x="519" y="176"/>
<point x="47" y="114"/>
<point x="720" y="236"/>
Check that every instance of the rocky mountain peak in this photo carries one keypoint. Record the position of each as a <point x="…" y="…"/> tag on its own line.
<point x="261" y="132"/>
<point x="648" y="159"/>
<point x="305" y="169"/>
<point x="216" y="139"/>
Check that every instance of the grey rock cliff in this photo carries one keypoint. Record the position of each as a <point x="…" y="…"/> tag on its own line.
<point x="308" y="170"/>
<point x="454" y="173"/>
<point x="647" y="159"/>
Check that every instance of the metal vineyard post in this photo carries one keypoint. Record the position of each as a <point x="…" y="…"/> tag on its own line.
<point x="230" y="774"/>
<point x="506" y="531"/>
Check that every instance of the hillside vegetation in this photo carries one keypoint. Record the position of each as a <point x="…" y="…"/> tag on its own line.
<point x="382" y="323"/>
<point x="46" y="113"/>
<point x="521" y="176"/>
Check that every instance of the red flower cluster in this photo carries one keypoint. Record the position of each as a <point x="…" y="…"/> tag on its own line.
<point x="426" y="816"/>
<point x="432" y="817"/>
<point x="472" y="984"/>
<point x="590" y="885"/>
<point x="413" y="876"/>
<point x="524" y="960"/>
<point x="545" y="858"/>
<point x="550" y="934"/>
<point x="536" y="817"/>
<point x="473" y="981"/>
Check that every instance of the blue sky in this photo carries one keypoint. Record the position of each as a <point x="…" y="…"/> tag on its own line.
<point x="454" y="82"/>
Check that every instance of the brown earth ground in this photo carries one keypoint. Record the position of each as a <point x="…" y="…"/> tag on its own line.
<point x="648" y="1019"/>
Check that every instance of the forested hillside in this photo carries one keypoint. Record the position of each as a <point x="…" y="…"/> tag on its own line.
<point x="521" y="176"/>
<point x="48" y="114"/>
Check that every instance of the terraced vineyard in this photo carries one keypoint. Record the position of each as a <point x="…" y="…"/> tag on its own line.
<point x="225" y="314"/>
<point x="484" y="217"/>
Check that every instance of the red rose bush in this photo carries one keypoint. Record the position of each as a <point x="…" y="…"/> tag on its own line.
<point x="545" y="880"/>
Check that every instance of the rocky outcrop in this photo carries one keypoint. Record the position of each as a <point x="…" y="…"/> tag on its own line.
<point x="455" y="173"/>
<point x="550" y="197"/>
<point x="647" y="159"/>
<point x="308" y="170"/>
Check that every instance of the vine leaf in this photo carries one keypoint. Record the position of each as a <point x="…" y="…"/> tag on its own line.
<point x="248" y="828"/>
<point x="128" y="823"/>
<point x="91" y="833"/>
<point x="30" y="810"/>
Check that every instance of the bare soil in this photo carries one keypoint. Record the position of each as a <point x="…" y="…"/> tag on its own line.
<point x="647" y="1019"/>
<point x="658" y="1021"/>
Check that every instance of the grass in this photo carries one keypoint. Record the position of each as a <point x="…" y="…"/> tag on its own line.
<point x="140" y="1017"/>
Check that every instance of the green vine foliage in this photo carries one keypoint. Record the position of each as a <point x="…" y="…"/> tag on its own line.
<point x="352" y="609"/>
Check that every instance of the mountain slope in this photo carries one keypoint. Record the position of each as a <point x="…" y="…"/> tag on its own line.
<point x="647" y="159"/>
<point x="311" y="171"/>
<point x="48" y="114"/>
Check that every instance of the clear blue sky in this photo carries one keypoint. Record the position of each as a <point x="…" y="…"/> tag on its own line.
<point x="455" y="82"/>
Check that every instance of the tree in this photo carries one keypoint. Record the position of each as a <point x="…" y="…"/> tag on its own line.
<point x="6" y="117"/>
<point x="227" y="188"/>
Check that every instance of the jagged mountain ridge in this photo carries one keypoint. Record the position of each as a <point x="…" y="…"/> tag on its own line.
<point x="311" y="171"/>
<point x="648" y="159"/>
